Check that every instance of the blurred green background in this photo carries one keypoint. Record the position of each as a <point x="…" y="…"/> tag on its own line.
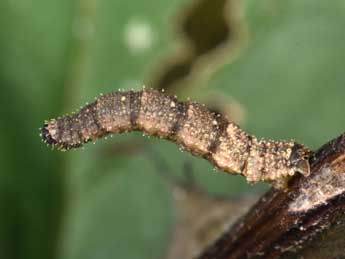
<point x="289" y="77"/>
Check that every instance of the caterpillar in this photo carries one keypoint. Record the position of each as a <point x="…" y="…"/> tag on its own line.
<point x="189" y="124"/>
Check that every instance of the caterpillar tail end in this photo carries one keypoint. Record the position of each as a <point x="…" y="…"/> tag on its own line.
<point x="299" y="159"/>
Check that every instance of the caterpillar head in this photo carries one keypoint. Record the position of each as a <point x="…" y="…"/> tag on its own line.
<point x="60" y="134"/>
<point x="49" y="133"/>
<point x="299" y="159"/>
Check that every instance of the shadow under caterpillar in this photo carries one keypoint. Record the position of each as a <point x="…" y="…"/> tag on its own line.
<point x="189" y="124"/>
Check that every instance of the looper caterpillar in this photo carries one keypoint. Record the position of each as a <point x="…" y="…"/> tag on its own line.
<point x="189" y="124"/>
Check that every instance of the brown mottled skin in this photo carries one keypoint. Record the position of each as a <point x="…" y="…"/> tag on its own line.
<point x="189" y="124"/>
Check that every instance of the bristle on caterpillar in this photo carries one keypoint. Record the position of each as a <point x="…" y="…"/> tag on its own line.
<point x="190" y="125"/>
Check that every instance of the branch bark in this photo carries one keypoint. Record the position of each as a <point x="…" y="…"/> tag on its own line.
<point x="306" y="221"/>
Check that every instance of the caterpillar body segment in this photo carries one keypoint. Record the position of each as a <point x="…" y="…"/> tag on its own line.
<point x="189" y="124"/>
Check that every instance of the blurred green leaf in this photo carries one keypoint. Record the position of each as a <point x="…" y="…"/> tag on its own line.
<point x="32" y="50"/>
<point x="290" y="78"/>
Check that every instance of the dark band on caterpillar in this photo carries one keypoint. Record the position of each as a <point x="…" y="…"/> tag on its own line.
<point x="181" y="116"/>
<point x="248" y="148"/>
<point x="135" y="104"/>
<point x="202" y="132"/>
<point x="220" y="125"/>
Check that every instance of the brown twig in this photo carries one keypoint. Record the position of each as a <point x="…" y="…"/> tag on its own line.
<point x="297" y="222"/>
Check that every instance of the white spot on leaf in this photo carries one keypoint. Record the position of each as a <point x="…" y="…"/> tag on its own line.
<point x="138" y="36"/>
